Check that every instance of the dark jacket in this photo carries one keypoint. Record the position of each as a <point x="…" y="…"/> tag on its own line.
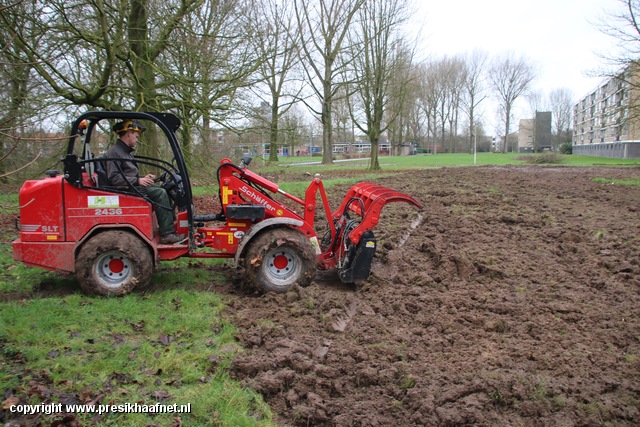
<point x="118" y="171"/>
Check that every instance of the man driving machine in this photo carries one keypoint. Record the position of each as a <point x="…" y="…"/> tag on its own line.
<point x="126" y="174"/>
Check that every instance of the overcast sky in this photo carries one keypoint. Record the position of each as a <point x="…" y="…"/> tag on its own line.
<point x="559" y="36"/>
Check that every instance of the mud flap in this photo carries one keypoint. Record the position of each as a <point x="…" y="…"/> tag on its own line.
<point x="359" y="257"/>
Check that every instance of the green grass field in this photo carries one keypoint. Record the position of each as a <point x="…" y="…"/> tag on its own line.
<point x="422" y="161"/>
<point x="301" y="166"/>
<point x="169" y="346"/>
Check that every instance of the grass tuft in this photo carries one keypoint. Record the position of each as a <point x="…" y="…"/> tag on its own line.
<point x="635" y="182"/>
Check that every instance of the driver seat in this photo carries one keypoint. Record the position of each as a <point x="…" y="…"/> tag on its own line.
<point x="101" y="173"/>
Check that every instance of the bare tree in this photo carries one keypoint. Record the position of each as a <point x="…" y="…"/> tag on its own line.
<point x="207" y="61"/>
<point x="474" y="88"/>
<point x="25" y="149"/>
<point x="623" y="26"/>
<point x="561" y="105"/>
<point x="440" y="100"/>
<point x="343" y="126"/>
<point x="374" y="67"/>
<point x="78" y="55"/>
<point x="323" y="27"/>
<point x="431" y="95"/>
<point x="455" y="77"/>
<point x="537" y="102"/>
<point x="403" y="94"/>
<point x="13" y="91"/>
<point x="415" y="123"/>
<point x="277" y="42"/>
<point x="130" y="54"/>
<point x="510" y="77"/>
<point x="294" y="130"/>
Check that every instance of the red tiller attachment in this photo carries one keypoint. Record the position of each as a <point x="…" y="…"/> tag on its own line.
<point x="367" y="200"/>
<point x="353" y="244"/>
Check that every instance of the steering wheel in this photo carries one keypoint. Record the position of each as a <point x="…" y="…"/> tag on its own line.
<point x="164" y="180"/>
<point x="172" y="183"/>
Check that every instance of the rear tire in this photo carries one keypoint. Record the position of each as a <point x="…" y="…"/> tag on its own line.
<point x="113" y="263"/>
<point x="277" y="259"/>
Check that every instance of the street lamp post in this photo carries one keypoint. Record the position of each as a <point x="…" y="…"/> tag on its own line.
<point x="475" y="150"/>
<point x="311" y="142"/>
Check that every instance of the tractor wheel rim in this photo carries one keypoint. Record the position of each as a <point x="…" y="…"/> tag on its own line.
<point x="114" y="269"/>
<point x="281" y="264"/>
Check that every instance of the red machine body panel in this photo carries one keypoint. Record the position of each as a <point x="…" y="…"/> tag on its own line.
<point x="42" y="227"/>
<point x="58" y="256"/>
<point x="42" y="211"/>
<point x="56" y="217"/>
<point x="87" y="207"/>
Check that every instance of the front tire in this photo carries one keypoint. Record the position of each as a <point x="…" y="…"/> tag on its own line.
<point x="277" y="259"/>
<point x="113" y="263"/>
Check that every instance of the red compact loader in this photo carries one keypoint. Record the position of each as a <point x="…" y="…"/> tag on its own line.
<point x="76" y="223"/>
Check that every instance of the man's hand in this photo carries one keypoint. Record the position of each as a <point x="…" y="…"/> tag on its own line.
<point x="146" y="180"/>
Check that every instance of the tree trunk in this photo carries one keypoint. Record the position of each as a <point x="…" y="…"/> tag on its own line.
<point x="374" y="164"/>
<point x="185" y="136"/>
<point x="505" y="148"/>
<point x="471" y="129"/>
<point x="273" y="131"/>
<point x="327" y="125"/>
<point x="144" y="86"/>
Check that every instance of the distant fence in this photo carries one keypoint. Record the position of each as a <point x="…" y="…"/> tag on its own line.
<point x="616" y="150"/>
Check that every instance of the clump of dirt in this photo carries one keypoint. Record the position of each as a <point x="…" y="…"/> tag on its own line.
<point x="511" y="298"/>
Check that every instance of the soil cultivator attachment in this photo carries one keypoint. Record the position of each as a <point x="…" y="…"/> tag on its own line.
<point x="349" y="243"/>
<point x="347" y="246"/>
<point x="353" y="244"/>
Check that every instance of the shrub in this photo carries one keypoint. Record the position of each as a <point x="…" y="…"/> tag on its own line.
<point x="566" y="148"/>
<point x="548" y="157"/>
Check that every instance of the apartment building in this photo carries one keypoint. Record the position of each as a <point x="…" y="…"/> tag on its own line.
<point x="534" y="135"/>
<point x="604" y="123"/>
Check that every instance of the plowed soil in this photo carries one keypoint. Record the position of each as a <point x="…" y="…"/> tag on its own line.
<point x="511" y="298"/>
